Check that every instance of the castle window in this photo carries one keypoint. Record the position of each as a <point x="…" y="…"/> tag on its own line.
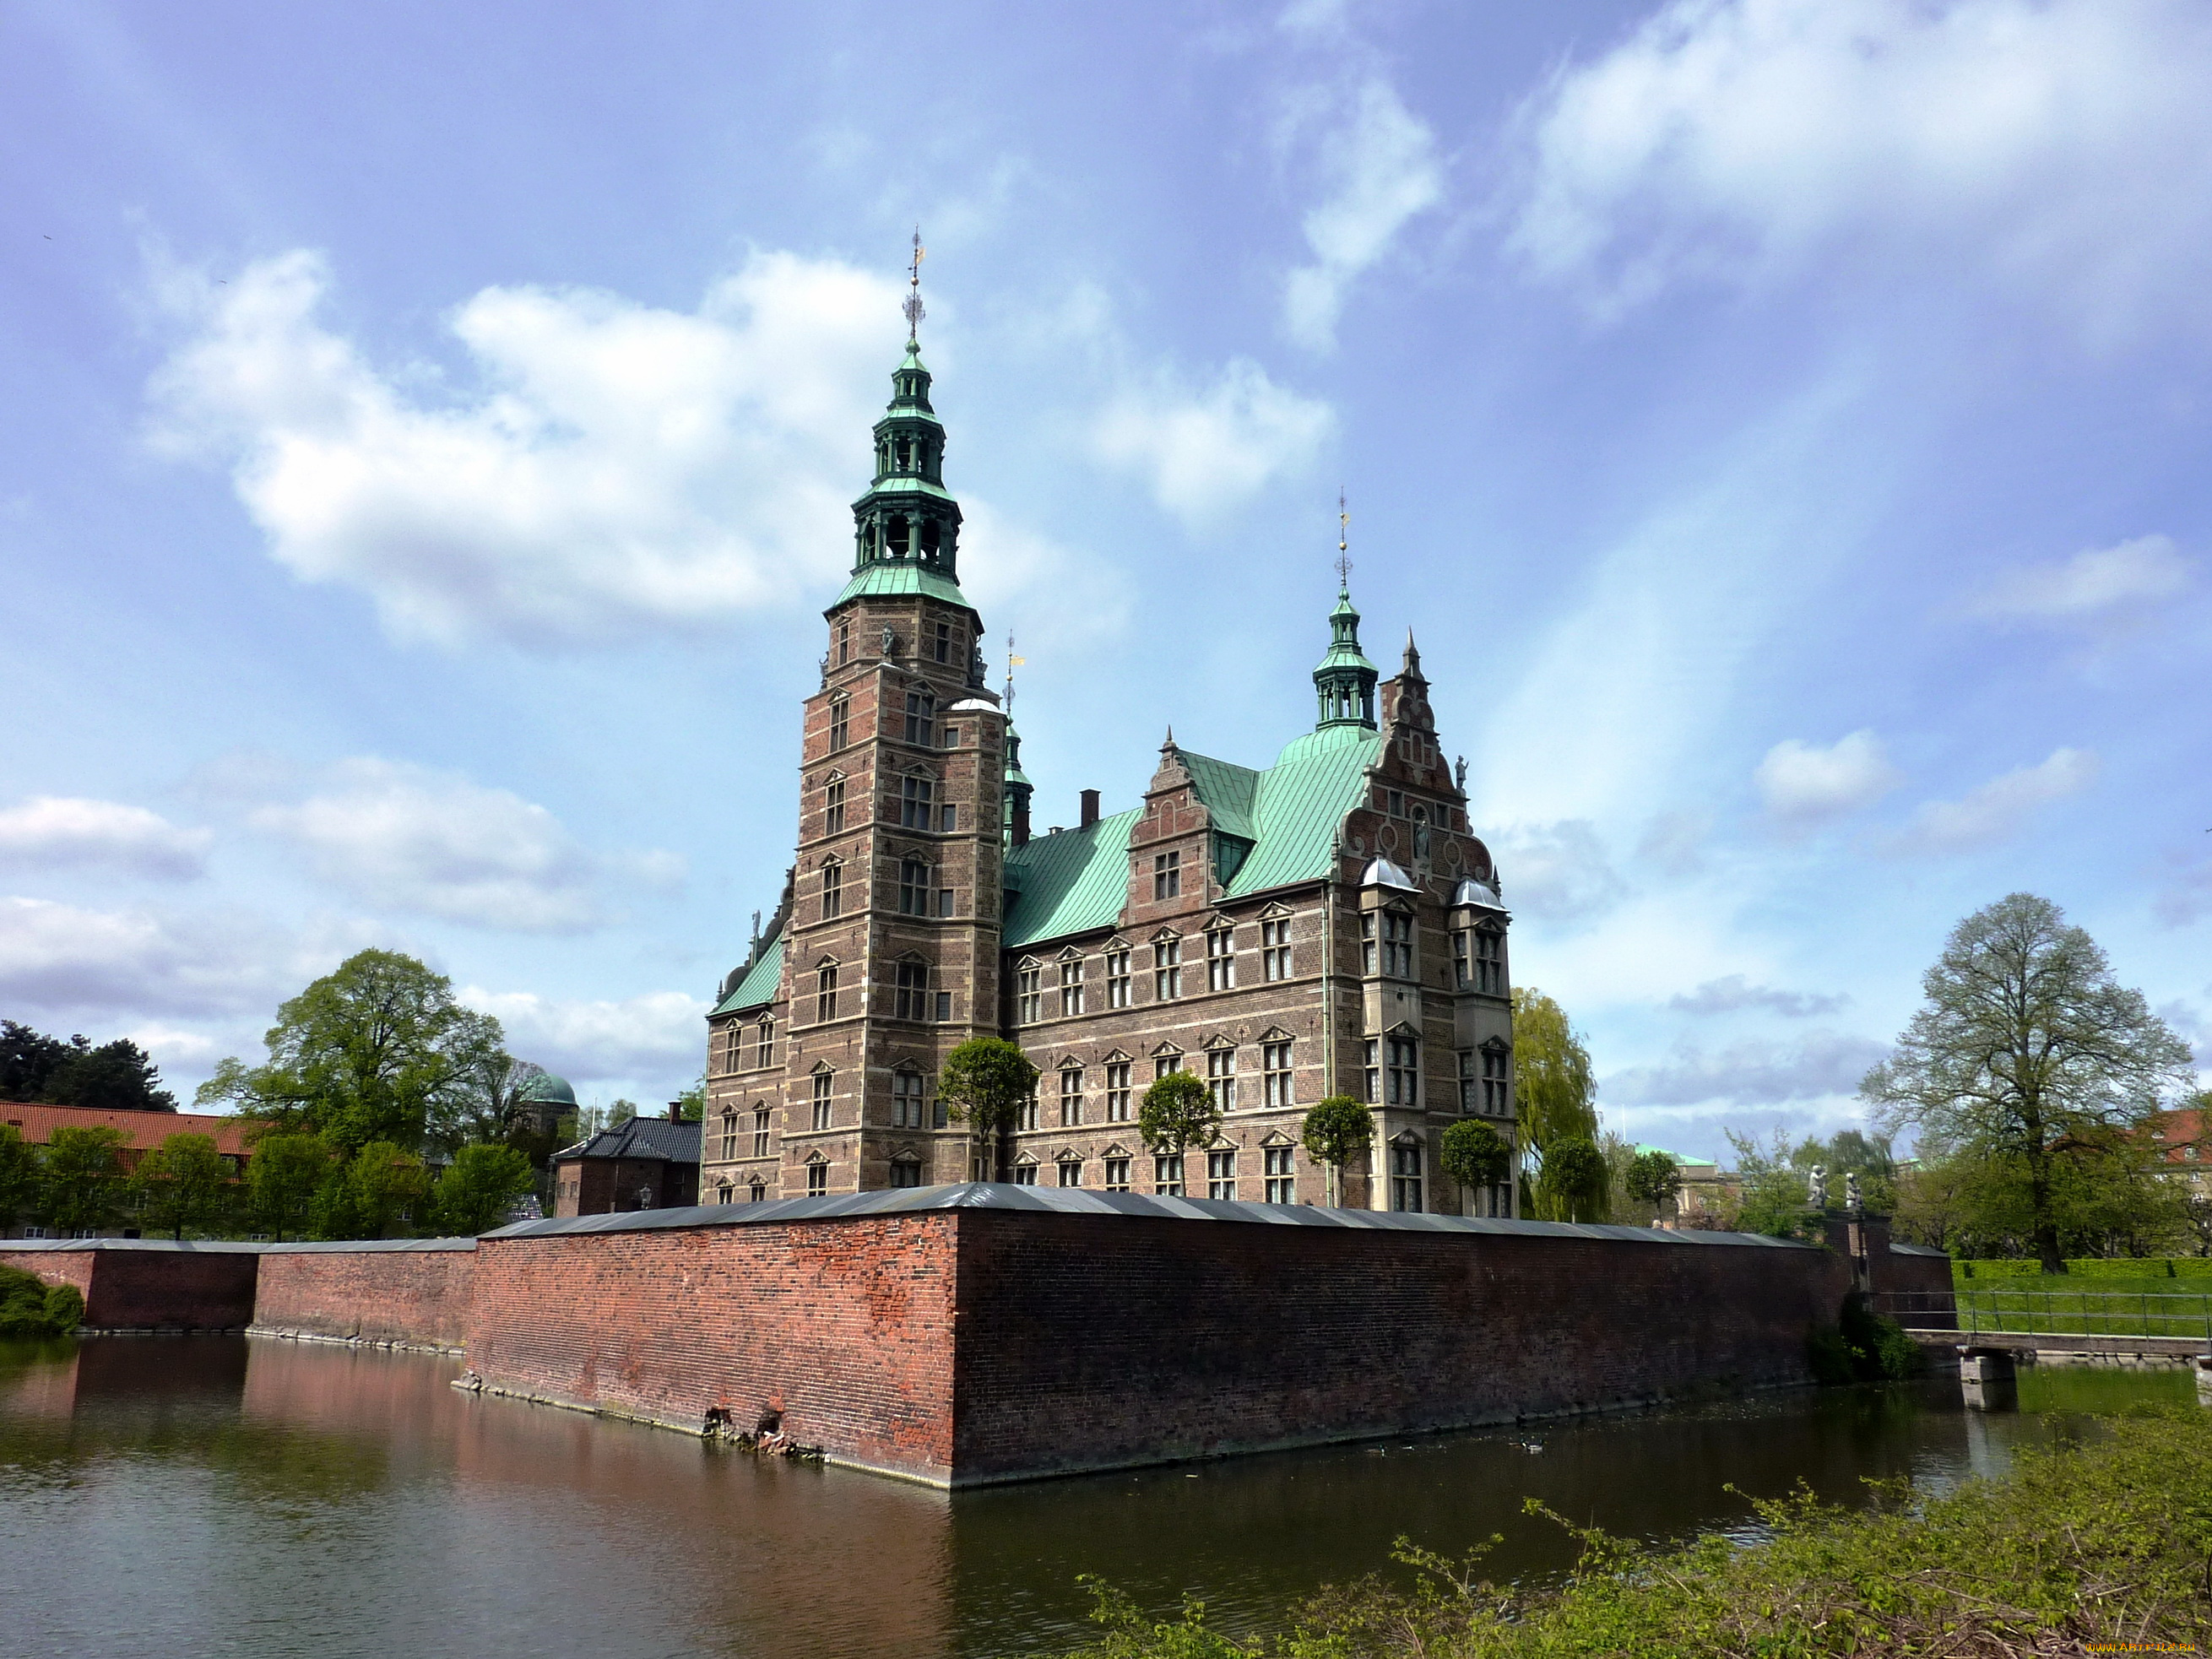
<point x="945" y="902"/>
<point x="818" y="1180"/>
<point x="906" y="1172"/>
<point x="1275" y="948"/>
<point x="766" y="1053"/>
<point x="844" y="643"/>
<point x="840" y="708"/>
<point x="1029" y="995"/>
<point x="1275" y="1073"/>
<point x="915" y="798"/>
<point x="1117" y="1175"/>
<point x="734" y="1059"/>
<point x="1462" y="967"/>
<point x="948" y="817"/>
<point x="1167" y="1175"/>
<point x="1221" y="1175"/>
<point x="944" y="1012"/>
<point x="1221" y="1077"/>
<point x="1496" y="1079"/>
<point x="1071" y="1099"/>
<point x="1396" y="801"/>
<point x="825" y="992"/>
<point x="952" y="737"/>
<point x="906" y="1101"/>
<point x="942" y="644"/>
<point x="1469" y="1095"/>
<point x="1280" y="1174"/>
<point x="823" y="1081"/>
<point x="1221" y="959"/>
<point x="1490" y="962"/>
<point x="1393" y="1068"/>
<point x="722" y="1194"/>
<point x="1397" y="930"/>
<point x="911" y="999"/>
<point x="1406" y="1177"/>
<point x="1117" y="979"/>
<point x="833" y="808"/>
<point x="1071" y="1172"/>
<point x="759" y="1189"/>
<point x="1165" y="1066"/>
<point x="1368" y="954"/>
<point x="759" y="1131"/>
<point x="729" y="1134"/>
<point x="914" y="888"/>
<point x="833" y="890"/>
<point x="1025" y="1114"/>
<point x="1024" y="1175"/>
<point x="1071" y="988"/>
<point x="1167" y="875"/>
<point x="920" y="717"/>
<point x="1117" y="1091"/>
<point x="1167" y="970"/>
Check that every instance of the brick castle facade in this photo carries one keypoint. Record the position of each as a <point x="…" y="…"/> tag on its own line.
<point x="1328" y="925"/>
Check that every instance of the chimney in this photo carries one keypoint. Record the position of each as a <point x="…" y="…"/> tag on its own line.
<point x="1090" y="807"/>
<point x="675" y="1111"/>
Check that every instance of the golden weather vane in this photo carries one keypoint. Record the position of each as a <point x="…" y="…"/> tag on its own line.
<point x="1343" y="543"/>
<point x="912" y="307"/>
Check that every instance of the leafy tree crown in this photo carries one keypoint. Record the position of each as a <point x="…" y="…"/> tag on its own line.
<point x="1177" y="1113"/>
<point x="984" y="1082"/>
<point x="1476" y="1155"/>
<point x="1337" y="1130"/>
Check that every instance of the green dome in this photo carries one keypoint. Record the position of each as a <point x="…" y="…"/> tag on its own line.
<point x="547" y="1089"/>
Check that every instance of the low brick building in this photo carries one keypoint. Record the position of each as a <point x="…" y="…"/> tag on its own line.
<point x="142" y="1132"/>
<point x="1329" y="924"/>
<point x="645" y="1164"/>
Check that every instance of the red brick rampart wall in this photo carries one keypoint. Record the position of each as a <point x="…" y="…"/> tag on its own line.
<point x="133" y="1285"/>
<point x="1091" y="1341"/>
<point x="417" y="1295"/>
<point x="843" y="1328"/>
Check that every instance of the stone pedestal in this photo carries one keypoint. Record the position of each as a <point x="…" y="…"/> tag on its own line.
<point x="2204" y="1369"/>
<point x="1987" y="1379"/>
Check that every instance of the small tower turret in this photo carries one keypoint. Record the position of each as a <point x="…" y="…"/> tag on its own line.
<point x="1345" y="680"/>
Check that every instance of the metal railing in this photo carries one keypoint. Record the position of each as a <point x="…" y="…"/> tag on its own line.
<point x="2002" y="1310"/>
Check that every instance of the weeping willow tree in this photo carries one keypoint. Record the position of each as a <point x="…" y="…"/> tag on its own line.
<point x="1554" y="1092"/>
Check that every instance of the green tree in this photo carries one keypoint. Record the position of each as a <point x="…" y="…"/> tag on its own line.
<point x="1572" y="1184"/>
<point x="19" y="1176"/>
<point x="377" y="1050"/>
<point x="691" y="1104"/>
<point x="1654" y="1178"/>
<point x="1336" y="1130"/>
<point x="282" y="1179"/>
<point x="984" y="1083"/>
<point x="1475" y="1156"/>
<point x="476" y="1188"/>
<point x="1776" y="1196"/>
<point x="117" y="1077"/>
<point x="1555" y="1089"/>
<point x="2028" y="1052"/>
<point x="81" y="1177"/>
<point x="387" y="1187"/>
<point x="30" y="1308"/>
<point x="1177" y="1112"/>
<point x="183" y="1182"/>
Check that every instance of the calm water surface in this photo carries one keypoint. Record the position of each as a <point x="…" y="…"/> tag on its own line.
<point x="189" y="1496"/>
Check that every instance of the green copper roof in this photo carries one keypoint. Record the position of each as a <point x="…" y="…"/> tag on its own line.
<point x="899" y="576"/>
<point x="550" y="1089"/>
<point x="1077" y="881"/>
<point x="758" y="987"/>
<point x="1074" y="882"/>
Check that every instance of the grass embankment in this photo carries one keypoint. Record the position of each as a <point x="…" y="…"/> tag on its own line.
<point x="2117" y="1297"/>
<point x="2108" y="1542"/>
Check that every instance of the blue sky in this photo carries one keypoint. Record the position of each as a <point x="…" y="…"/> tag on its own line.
<point x="426" y="435"/>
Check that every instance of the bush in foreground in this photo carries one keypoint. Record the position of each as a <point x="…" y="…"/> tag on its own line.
<point x="2104" y="1543"/>
<point x="31" y="1308"/>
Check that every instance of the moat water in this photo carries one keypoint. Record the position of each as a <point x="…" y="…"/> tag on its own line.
<point x="182" y="1496"/>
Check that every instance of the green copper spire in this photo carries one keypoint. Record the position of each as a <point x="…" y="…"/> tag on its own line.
<point x="907" y="528"/>
<point x="1345" y="680"/>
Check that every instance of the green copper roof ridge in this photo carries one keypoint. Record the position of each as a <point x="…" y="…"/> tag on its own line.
<point x="893" y="578"/>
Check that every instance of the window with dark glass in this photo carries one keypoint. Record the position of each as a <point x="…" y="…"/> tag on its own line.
<point x="916" y="885"/>
<point x="833" y="808"/>
<point x="920" y="717"/>
<point x="1280" y="1174"/>
<point x="1397" y="945"/>
<point x="916" y="797"/>
<point x="1029" y="995"/>
<point x="941" y="642"/>
<point x="759" y="1131"/>
<point x="911" y="997"/>
<point x="1405" y="1178"/>
<point x="1275" y="948"/>
<point x="729" y="1133"/>
<point x="1275" y="1074"/>
<point x="818" y="1180"/>
<point x="906" y="1172"/>
<point x="1221" y="1175"/>
<point x="1167" y="875"/>
<point x="1167" y="970"/>
<point x="906" y="1106"/>
<point x="1071" y="1173"/>
<point x="1167" y="1175"/>
<point x="1071" y="1098"/>
<point x="1221" y="959"/>
<point x="1071" y="988"/>
<point x="840" y="708"/>
<point x="822" y="1083"/>
<point x="833" y="890"/>
<point x="1117" y="1175"/>
<point x="1117" y="979"/>
<point x="1117" y="1091"/>
<point x="1221" y="1077"/>
<point x="766" y="1053"/>
<point x="825" y="992"/>
<point x="1024" y="1175"/>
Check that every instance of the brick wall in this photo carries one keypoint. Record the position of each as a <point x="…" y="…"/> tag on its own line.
<point x="1087" y="1342"/>
<point x="844" y="1327"/>
<point x="414" y="1293"/>
<point x="140" y="1284"/>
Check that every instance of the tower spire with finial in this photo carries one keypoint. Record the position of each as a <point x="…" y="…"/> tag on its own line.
<point x="1345" y="682"/>
<point x="1343" y="546"/>
<point x="914" y="308"/>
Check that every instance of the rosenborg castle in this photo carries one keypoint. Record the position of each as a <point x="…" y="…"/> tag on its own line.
<point x="1326" y="925"/>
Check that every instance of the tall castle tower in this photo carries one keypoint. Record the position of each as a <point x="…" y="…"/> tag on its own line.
<point x="892" y="958"/>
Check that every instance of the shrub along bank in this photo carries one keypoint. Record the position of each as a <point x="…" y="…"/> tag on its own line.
<point x="29" y="1307"/>
<point x="2106" y="1542"/>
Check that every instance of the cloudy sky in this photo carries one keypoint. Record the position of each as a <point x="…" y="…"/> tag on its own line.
<point x="426" y="433"/>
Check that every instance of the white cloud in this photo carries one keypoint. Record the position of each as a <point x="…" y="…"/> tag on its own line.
<point x="1735" y="992"/>
<point x="409" y="838"/>
<point x="1378" y="164"/>
<point x="1819" y="1064"/>
<point x="2063" y="144"/>
<point x="55" y="830"/>
<point x="2094" y="585"/>
<point x="1204" y="448"/>
<point x="63" y="958"/>
<point x="653" y="1033"/>
<point x="1993" y="811"/>
<point x="608" y="469"/>
<point x="1804" y="785"/>
<point x="1557" y="872"/>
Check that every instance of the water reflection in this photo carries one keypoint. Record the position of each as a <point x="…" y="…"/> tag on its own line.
<point x="204" y="1495"/>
